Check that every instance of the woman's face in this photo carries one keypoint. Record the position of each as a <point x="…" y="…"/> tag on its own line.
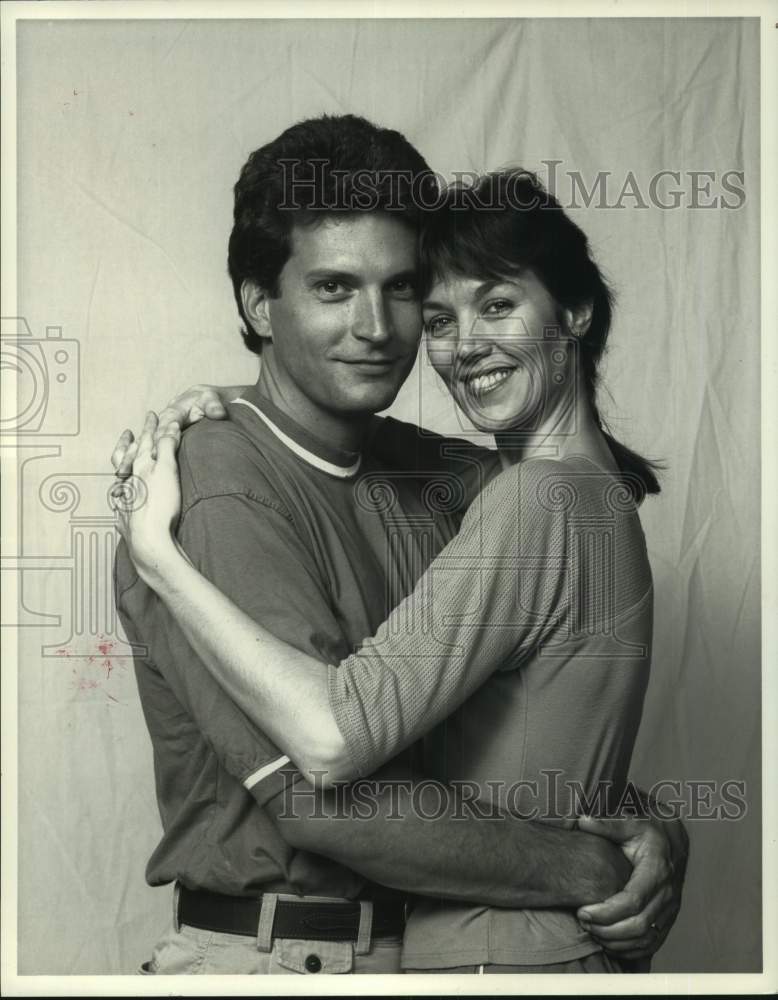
<point x="501" y="348"/>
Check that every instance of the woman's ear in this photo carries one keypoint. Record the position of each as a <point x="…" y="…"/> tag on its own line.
<point x="579" y="319"/>
<point x="256" y="306"/>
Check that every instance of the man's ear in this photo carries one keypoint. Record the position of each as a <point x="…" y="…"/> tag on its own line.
<point x="579" y="320"/>
<point x="256" y="306"/>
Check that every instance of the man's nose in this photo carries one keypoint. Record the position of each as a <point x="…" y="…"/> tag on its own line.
<point x="372" y="320"/>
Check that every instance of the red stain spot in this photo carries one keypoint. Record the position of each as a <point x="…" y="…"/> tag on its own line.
<point x="62" y="652"/>
<point x="105" y="648"/>
<point x="86" y="684"/>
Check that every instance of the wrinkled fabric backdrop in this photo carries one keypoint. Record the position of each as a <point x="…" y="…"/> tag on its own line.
<point x="131" y="135"/>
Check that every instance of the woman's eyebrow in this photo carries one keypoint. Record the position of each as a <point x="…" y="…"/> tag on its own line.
<point x="487" y="286"/>
<point x="483" y="289"/>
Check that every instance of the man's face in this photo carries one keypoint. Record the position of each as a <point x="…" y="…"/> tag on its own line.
<point x="347" y="322"/>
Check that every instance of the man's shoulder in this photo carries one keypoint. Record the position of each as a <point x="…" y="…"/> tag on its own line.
<point x="218" y="457"/>
<point x="402" y="444"/>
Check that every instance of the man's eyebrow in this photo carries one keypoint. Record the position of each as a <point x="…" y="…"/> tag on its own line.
<point x="330" y="274"/>
<point x="334" y="274"/>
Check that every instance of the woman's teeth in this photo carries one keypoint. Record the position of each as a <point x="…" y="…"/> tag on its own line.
<point x="485" y="383"/>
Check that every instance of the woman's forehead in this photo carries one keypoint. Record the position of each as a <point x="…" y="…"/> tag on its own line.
<point x="453" y="286"/>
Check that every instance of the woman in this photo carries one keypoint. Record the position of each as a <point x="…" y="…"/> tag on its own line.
<point x="530" y="633"/>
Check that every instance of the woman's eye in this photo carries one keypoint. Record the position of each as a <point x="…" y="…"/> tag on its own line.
<point x="498" y="306"/>
<point x="439" y="326"/>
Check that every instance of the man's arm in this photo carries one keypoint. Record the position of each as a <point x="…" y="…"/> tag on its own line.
<point x="447" y="846"/>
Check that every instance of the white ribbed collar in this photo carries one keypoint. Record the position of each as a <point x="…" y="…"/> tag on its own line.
<point x="339" y="471"/>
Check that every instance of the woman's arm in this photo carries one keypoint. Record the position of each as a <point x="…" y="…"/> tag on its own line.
<point x="290" y="699"/>
<point x="460" y="624"/>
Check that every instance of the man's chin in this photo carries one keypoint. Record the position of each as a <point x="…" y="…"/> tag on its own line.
<point x="368" y="398"/>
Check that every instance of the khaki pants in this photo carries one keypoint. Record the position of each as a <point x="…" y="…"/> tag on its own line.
<point x="599" y="963"/>
<point x="191" y="951"/>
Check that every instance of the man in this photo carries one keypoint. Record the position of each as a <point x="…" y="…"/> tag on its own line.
<point x="283" y="510"/>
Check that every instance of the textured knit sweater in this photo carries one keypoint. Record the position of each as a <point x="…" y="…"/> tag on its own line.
<point x="522" y="656"/>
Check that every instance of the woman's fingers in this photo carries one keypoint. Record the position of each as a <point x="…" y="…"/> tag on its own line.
<point x="168" y="440"/>
<point x="117" y="455"/>
<point x="125" y="468"/>
<point x="191" y="406"/>
<point x="146" y="440"/>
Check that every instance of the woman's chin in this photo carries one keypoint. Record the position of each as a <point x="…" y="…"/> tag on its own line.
<point x="491" y="415"/>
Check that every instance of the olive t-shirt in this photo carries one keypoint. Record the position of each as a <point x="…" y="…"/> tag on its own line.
<point x="317" y="545"/>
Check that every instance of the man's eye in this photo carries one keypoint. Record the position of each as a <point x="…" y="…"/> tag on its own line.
<point x="330" y="288"/>
<point x="439" y="326"/>
<point x="404" y="287"/>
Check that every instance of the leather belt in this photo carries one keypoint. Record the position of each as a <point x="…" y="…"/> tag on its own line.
<point x="309" y="921"/>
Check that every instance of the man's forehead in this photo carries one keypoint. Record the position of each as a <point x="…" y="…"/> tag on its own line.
<point x="345" y="242"/>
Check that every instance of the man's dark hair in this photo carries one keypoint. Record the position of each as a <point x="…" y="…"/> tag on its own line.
<point x="334" y="164"/>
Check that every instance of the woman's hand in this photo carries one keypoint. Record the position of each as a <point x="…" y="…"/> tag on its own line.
<point x="186" y="409"/>
<point x="148" y="504"/>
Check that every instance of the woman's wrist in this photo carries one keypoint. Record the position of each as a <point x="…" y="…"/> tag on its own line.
<point x="158" y="568"/>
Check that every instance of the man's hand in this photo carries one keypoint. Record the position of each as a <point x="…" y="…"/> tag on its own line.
<point x="634" y="922"/>
<point x="186" y="409"/>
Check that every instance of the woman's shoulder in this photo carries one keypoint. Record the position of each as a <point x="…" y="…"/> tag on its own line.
<point x="549" y="489"/>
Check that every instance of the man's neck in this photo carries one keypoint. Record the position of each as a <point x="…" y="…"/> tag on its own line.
<point x="344" y="432"/>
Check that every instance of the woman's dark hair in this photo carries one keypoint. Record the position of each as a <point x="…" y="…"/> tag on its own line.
<point x="505" y="222"/>
<point x="333" y="164"/>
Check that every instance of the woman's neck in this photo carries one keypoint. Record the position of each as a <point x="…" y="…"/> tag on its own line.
<point x="569" y="431"/>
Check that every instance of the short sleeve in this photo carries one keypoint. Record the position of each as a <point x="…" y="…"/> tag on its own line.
<point x="249" y="548"/>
